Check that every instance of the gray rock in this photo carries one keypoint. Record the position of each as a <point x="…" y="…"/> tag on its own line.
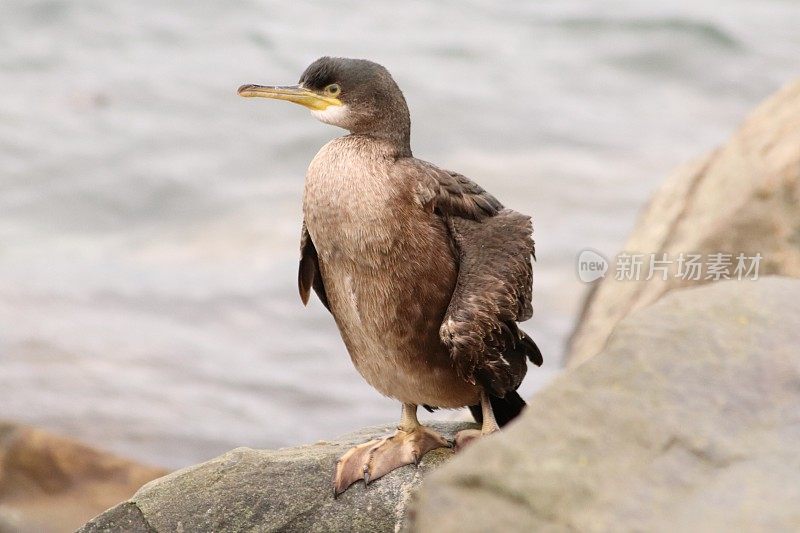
<point x="742" y="198"/>
<point x="282" y="490"/>
<point x="125" y="517"/>
<point x="689" y="420"/>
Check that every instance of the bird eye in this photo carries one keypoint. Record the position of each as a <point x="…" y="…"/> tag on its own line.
<point x="333" y="89"/>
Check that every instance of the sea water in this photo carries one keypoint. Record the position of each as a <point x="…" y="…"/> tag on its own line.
<point x="150" y="218"/>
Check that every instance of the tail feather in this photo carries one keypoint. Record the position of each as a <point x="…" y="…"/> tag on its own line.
<point x="505" y="409"/>
<point x="511" y="405"/>
<point x="531" y="350"/>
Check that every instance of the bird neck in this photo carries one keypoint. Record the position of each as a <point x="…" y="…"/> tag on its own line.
<point x="391" y="124"/>
<point x="387" y="145"/>
<point x="398" y="142"/>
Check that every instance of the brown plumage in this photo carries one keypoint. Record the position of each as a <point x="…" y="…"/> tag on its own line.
<point x="425" y="273"/>
<point x="492" y="248"/>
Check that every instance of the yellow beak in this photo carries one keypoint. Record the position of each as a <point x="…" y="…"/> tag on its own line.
<point x="291" y="93"/>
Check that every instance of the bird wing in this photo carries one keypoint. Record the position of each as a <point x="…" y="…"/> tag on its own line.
<point x="449" y="193"/>
<point x="494" y="247"/>
<point x="309" y="275"/>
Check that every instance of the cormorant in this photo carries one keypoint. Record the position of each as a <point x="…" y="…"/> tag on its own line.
<point x="425" y="273"/>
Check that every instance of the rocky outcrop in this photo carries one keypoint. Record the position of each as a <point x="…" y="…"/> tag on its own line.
<point x="281" y="490"/>
<point x="742" y="198"/>
<point x="687" y="421"/>
<point x="52" y="483"/>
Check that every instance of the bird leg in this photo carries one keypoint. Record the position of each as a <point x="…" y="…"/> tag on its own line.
<point x="466" y="436"/>
<point x="375" y="458"/>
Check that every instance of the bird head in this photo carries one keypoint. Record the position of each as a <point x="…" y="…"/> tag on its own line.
<point x="354" y="94"/>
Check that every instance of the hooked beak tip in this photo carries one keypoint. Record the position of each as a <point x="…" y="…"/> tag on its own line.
<point x="244" y="88"/>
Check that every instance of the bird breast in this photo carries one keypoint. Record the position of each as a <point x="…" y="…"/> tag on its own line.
<point x="388" y="270"/>
<point x="350" y="203"/>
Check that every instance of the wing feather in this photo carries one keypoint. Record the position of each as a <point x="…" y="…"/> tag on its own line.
<point x="449" y="193"/>
<point x="493" y="291"/>
<point x="308" y="275"/>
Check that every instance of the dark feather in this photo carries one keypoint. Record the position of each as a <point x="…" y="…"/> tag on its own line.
<point x="494" y="249"/>
<point x="505" y="409"/>
<point x="492" y="293"/>
<point x="448" y="193"/>
<point x="308" y="275"/>
<point x="532" y="351"/>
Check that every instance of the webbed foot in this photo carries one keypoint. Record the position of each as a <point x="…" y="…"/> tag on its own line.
<point x="378" y="457"/>
<point x="488" y="426"/>
<point x="467" y="436"/>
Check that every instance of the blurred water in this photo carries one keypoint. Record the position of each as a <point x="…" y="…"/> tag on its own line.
<point x="149" y="218"/>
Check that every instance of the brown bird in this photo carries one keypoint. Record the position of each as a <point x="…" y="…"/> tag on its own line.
<point x="425" y="273"/>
